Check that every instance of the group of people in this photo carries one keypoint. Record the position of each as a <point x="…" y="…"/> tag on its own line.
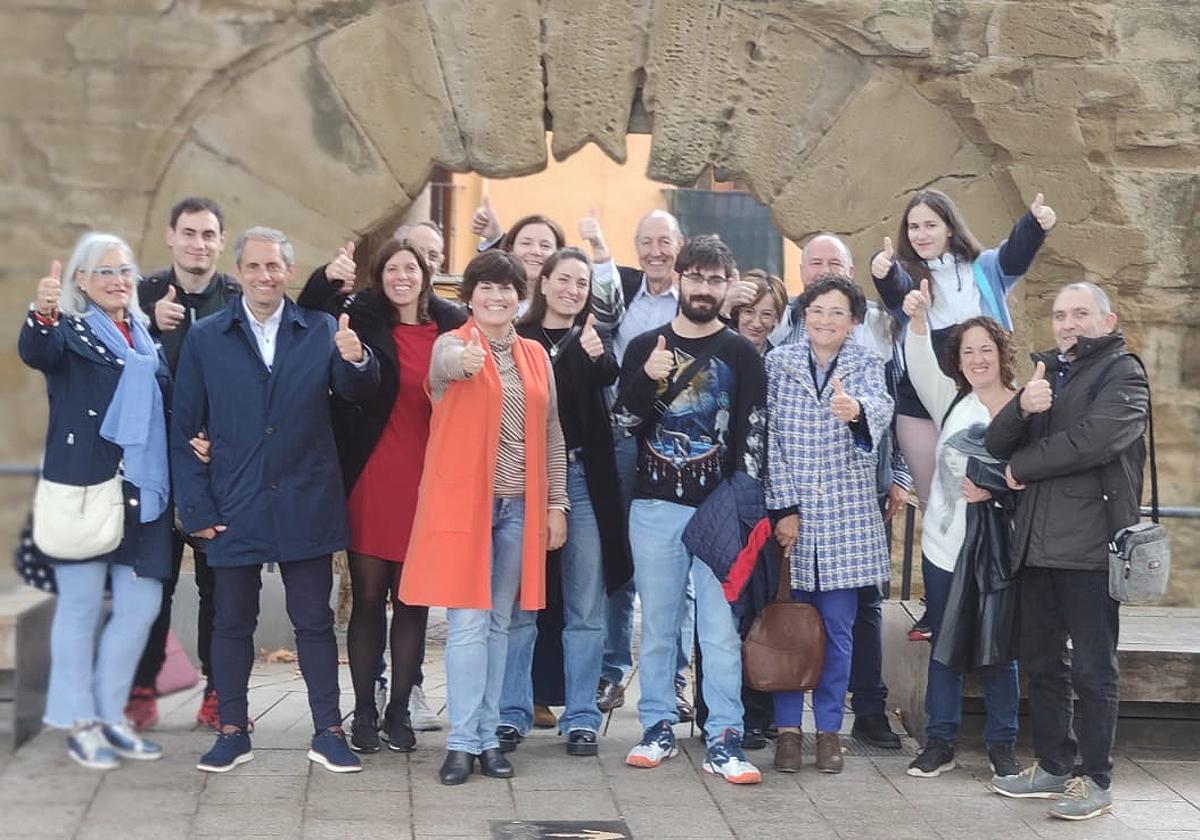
<point x="532" y="457"/>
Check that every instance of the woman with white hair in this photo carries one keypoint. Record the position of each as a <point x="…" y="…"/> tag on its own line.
<point x="101" y="515"/>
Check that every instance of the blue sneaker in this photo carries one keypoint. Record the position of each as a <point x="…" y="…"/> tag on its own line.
<point x="658" y="743"/>
<point x="128" y="744"/>
<point x="726" y="759"/>
<point x="329" y="749"/>
<point x="230" y="750"/>
<point x="89" y="749"/>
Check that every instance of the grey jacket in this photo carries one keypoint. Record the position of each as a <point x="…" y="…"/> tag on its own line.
<point x="1081" y="461"/>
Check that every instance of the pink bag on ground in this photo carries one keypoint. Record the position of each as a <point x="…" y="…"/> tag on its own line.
<point x="177" y="672"/>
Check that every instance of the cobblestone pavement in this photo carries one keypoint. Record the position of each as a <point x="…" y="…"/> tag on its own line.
<point x="280" y="794"/>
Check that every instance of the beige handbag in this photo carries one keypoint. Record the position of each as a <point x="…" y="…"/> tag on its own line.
<point x="77" y="523"/>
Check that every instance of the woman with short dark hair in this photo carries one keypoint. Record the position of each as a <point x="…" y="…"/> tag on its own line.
<point x="491" y="504"/>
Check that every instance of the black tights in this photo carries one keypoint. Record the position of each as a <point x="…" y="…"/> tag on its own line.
<point x="373" y="582"/>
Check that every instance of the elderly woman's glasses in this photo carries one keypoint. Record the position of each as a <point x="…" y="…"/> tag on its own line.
<point x="108" y="273"/>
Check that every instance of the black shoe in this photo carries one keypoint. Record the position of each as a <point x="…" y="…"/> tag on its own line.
<point x="874" y="730"/>
<point x="509" y="737"/>
<point x="581" y="742"/>
<point x="1003" y="760"/>
<point x="609" y="696"/>
<point x="398" y="732"/>
<point x="754" y="739"/>
<point x="364" y="731"/>
<point x="771" y="732"/>
<point x="457" y="766"/>
<point x="934" y="760"/>
<point x="494" y="763"/>
<point x="683" y="706"/>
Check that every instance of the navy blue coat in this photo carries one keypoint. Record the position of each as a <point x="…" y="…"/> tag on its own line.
<point x="81" y="377"/>
<point x="274" y="478"/>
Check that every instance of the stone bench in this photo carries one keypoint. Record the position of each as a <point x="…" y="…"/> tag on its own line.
<point x="25" y="616"/>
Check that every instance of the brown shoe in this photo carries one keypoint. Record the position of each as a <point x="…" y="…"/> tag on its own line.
<point x="829" y="752"/>
<point x="543" y="718"/>
<point x="609" y="696"/>
<point x="788" y="751"/>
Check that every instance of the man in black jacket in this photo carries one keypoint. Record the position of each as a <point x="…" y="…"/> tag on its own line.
<point x="1073" y="441"/>
<point x="174" y="298"/>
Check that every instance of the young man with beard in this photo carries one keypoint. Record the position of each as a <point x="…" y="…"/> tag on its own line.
<point x="695" y="391"/>
<point x="174" y="298"/>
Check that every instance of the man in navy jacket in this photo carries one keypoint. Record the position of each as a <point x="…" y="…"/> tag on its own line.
<point x="257" y="377"/>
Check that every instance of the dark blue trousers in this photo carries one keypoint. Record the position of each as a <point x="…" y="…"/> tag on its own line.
<point x="867" y="689"/>
<point x="307" y="586"/>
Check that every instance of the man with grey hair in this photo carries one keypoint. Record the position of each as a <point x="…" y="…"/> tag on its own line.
<point x="823" y="253"/>
<point x="257" y="377"/>
<point x="1072" y="438"/>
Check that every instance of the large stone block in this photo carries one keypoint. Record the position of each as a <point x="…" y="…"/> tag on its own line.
<point x="158" y="95"/>
<point x="1065" y="30"/>
<point x="490" y="58"/>
<point x="387" y="70"/>
<point x="1156" y="129"/>
<point x="1086" y="84"/>
<point x="179" y="40"/>
<point x="1075" y="190"/>
<point x="287" y="124"/>
<point x="125" y="155"/>
<point x="593" y="54"/>
<point x="1042" y="131"/>
<point x="1158" y="32"/>
<point x="37" y="91"/>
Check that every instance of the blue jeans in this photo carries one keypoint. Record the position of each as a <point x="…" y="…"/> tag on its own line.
<point x="90" y="682"/>
<point x="837" y="608"/>
<point x="477" y="640"/>
<point x="868" y="692"/>
<point x="661" y="565"/>
<point x="583" y="635"/>
<point x="943" y="690"/>
<point x="618" y="612"/>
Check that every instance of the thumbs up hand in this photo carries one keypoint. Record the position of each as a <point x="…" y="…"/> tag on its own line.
<point x="881" y="266"/>
<point x="916" y="305"/>
<point x="342" y="267"/>
<point x="843" y="406"/>
<point x="590" y="231"/>
<point x="49" y="290"/>
<point x="473" y="355"/>
<point x="1037" y="396"/>
<point x="485" y="223"/>
<point x="168" y="312"/>
<point x="347" y="341"/>
<point x="661" y="362"/>
<point x="589" y="339"/>
<point x="1043" y="212"/>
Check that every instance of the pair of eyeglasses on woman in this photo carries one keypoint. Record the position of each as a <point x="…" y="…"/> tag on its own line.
<point x="109" y="273"/>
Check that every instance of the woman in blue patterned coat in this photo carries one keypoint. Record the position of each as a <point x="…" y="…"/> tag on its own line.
<point x="827" y="407"/>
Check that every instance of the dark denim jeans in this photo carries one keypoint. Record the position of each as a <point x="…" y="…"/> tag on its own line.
<point x="1057" y="604"/>
<point x="867" y="689"/>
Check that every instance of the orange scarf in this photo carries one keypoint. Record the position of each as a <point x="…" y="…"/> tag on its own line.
<point x="448" y="563"/>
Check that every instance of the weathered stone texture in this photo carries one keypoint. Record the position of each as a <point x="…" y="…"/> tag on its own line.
<point x="1062" y="30"/>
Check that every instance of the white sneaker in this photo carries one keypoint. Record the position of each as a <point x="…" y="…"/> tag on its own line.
<point x="423" y="718"/>
<point x="89" y="748"/>
<point x="128" y="744"/>
<point x="657" y="744"/>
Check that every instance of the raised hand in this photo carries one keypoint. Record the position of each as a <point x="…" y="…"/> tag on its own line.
<point x="1037" y="396"/>
<point x="590" y="231"/>
<point x="881" y="266"/>
<point x="473" y="355"/>
<point x="168" y="312"/>
<point x="348" y="344"/>
<point x="1043" y="212"/>
<point x="589" y="339"/>
<point x="916" y="307"/>
<point x="741" y="292"/>
<point x="49" y="290"/>
<point x="843" y="406"/>
<point x="661" y="362"/>
<point x="485" y="223"/>
<point x="342" y="267"/>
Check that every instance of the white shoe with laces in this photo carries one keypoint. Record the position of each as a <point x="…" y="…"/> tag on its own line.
<point x="128" y="744"/>
<point x="89" y="748"/>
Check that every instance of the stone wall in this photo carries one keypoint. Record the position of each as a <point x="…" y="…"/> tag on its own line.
<point x="324" y="117"/>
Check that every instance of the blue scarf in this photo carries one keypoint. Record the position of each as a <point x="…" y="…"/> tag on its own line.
<point x="135" y="420"/>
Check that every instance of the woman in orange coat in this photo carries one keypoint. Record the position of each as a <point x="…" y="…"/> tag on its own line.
<point x="493" y="499"/>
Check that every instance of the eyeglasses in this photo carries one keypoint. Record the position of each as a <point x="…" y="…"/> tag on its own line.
<point x="108" y="273"/>
<point x="715" y="281"/>
<point x="835" y="314"/>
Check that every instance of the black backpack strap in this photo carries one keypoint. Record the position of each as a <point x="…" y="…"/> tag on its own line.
<point x="959" y="397"/>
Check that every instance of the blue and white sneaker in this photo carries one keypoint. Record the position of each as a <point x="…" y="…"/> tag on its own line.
<point x="329" y="749"/>
<point x="726" y="759"/>
<point x="658" y="743"/>
<point x="128" y="744"/>
<point x="230" y="750"/>
<point x="89" y="748"/>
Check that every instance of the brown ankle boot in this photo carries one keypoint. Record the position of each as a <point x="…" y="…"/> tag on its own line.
<point x="788" y="752"/>
<point x="829" y="752"/>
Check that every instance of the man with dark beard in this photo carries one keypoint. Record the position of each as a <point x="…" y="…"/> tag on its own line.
<point x="695" y="390"/>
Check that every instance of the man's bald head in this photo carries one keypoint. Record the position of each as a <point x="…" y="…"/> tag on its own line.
<point x="825" y="254"/>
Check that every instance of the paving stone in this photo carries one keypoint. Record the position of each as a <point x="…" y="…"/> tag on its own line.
<point x="1158" y="816"/>
<point x="145" y="823"/>
<point x="373" y="830"/>
<point x="270" y="819"/>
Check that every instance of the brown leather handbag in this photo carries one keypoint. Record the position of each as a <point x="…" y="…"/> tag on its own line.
<point x="785" y="648"/>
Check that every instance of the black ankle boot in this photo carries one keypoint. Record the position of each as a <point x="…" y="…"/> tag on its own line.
<point x="495" y="763"/>
<point x="457" y="766"/>
<point x="874" y="730"/>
